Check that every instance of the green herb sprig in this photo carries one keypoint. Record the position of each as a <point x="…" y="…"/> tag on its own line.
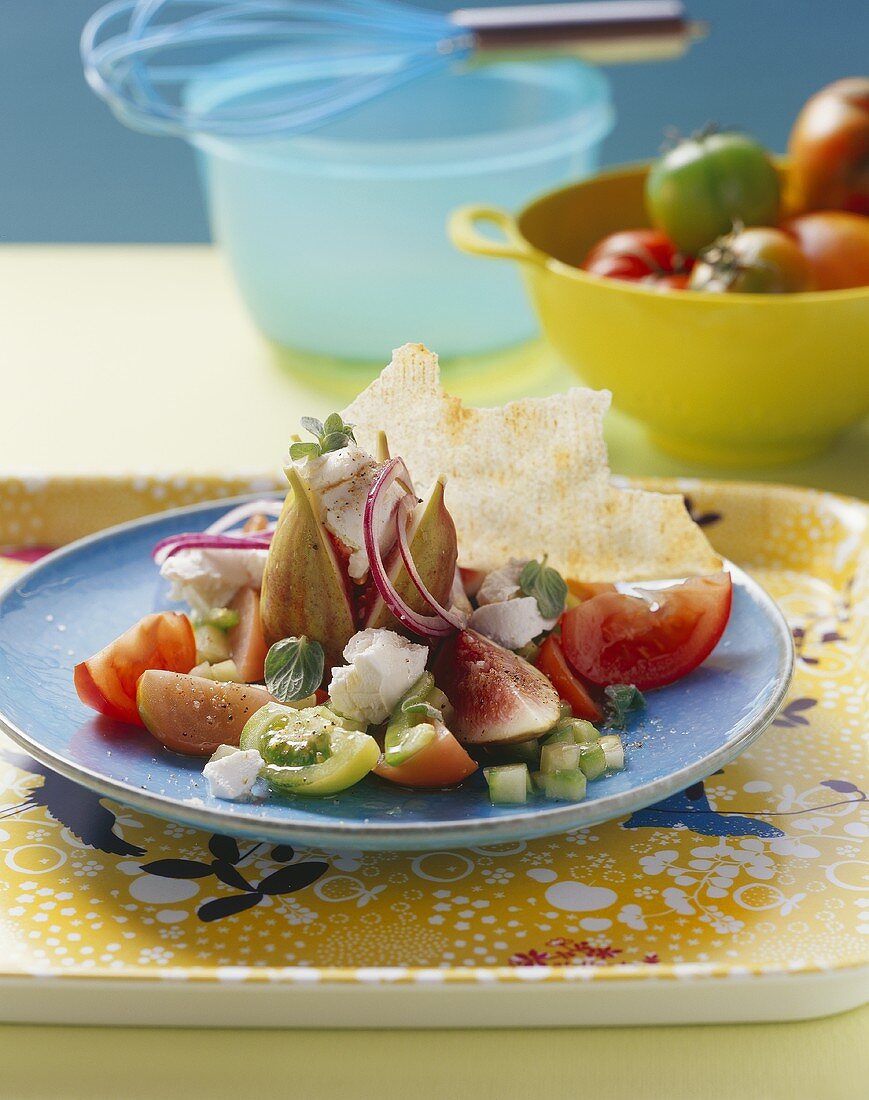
<point x="622" y="700"/>
<point x="294" y="669"/>
<point x="331" y="435"/>
<point x="546" y="585"/>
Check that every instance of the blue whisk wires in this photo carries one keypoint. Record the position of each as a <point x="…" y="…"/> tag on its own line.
<point x="299" y="63"/>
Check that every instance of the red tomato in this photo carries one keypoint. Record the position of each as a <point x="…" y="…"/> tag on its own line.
<point x="247" y="645"/>
<point x="637" y="255"/>
<point x="836" y="245"/>
<point x="619" y="639"/>
<point x="442" y="763"/>
<point x="107" y="681"/>
<point x="584" y="590"/>
<point x="829" y="150"/>
<point x="552" y="663"/>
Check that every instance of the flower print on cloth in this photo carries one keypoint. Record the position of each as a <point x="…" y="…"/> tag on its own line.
<point x="761" y="869"/>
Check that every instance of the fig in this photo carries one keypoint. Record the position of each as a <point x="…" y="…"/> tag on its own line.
<point x="303" y="590"/>
<point x="433" y="547"/>
<point x="192" y="715"/>
<point x="496" y="695"/>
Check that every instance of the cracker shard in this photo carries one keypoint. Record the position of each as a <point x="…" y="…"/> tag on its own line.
<point x="529" y="478"/>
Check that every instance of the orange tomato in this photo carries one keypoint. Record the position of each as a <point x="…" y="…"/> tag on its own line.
<point x="107" y="681"/>
<point x="829" y="150"/>
<point x="247" y="645"/>
<point x="836" y="245"/>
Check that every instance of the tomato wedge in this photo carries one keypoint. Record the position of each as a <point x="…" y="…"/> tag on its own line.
<point x="620" y="639"/>
<point x="553" y="664"/>
<point x="107" y="681"/>
<point x="441" y="763"/>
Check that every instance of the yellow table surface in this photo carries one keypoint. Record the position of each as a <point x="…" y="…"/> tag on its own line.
<point x="120" y="358"/>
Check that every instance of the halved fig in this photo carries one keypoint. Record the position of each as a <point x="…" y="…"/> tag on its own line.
<point x="247" y="646"/>
<point x="303" y="589"/>
<point x="496" y="695"/>
<point x="432" y="542"/>
<point x="192" y="715"/>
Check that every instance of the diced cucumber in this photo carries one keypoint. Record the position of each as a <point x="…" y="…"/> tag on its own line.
<point x="529" y="652"/>
<point x="614" y="751"/>
<point x="508" y="784"/>
<point x="212" y="644"/>
<point x="592" y="760"/>
<point x="565" y="709"/>
<point x="225" y="672"/>
<point x="565" y="786"/>
<point x="559" y="756"/>
<point x="583" y="732"/>
<point x="560" y="735"/>
<point x="538" y="780"/>
<point x="224" y="618"/>
<point x="522" y="752"/>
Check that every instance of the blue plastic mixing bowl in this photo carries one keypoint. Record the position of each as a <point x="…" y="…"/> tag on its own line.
<point x="337" y="238"/>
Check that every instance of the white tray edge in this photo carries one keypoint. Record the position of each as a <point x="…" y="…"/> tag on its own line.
<point x="174" y="1003"/>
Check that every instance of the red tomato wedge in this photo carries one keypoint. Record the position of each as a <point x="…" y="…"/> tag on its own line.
<point x="247" y="645"/>
<point x="553" y="664"/>
<point x="620" y="639"/>
<point x="107" y="681"/>
<point x="442" y="763"/>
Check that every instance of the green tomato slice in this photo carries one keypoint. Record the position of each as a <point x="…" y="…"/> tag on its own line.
<point x="308" y="752"/>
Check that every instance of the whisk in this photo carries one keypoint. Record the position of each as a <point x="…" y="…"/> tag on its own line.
<point x="305" y="62"/>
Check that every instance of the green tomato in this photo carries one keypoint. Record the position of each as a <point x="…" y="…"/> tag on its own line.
<point x="309" y="751"/>
<point x="709" y="183"/>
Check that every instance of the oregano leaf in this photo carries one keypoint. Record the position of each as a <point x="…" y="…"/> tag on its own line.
<point x="294" y="668"/>
<point x="546" y="585"/>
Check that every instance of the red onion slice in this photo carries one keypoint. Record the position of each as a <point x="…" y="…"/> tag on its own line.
<point x="404" y="510"/>
<point x="243" y="512"/>
<point x="428" y="626"/>
<point x="166" y="548"/>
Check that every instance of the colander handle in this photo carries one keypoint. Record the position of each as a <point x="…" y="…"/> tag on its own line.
<point x="463" y="232"/>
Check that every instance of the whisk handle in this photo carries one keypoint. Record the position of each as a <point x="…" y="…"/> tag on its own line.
<point x="571" y="23"/>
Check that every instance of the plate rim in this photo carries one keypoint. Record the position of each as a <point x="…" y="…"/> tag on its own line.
<point x="374" y="835"/>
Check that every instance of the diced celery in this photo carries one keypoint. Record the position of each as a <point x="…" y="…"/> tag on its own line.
<point x="565" y="786"/>
<point x="614" y="752"/>
<point x="508" y="784"/>
<point x="592" y="760"/>
<point x="558" y="757"/>
<point x="212" y="644"/>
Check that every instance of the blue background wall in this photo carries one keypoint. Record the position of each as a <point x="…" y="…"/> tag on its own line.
<point x="70" y="172"/>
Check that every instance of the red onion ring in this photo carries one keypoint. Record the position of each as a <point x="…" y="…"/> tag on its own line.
<point x="428" y="626"/>
<point x="166" y="548"/>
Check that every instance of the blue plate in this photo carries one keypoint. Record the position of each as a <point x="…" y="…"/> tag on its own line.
<point x="73" y="602"/>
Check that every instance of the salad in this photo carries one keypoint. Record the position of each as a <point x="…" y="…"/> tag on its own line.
<point x="443" y="590"/>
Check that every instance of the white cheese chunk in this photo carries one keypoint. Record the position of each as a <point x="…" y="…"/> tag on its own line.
<point x="382" y="667"/>
<point x="210" y="578"/>
<point x="501" y="584"/>
<point x="231" y="772"/>
<point x="340" y="481"/>
<point x="511" y="623"/>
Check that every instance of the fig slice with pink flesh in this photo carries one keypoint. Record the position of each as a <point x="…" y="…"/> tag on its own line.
<point x="496" y="696"/>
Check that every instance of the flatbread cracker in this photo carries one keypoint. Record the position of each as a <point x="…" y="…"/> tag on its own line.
<point x="528" y="478"/>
